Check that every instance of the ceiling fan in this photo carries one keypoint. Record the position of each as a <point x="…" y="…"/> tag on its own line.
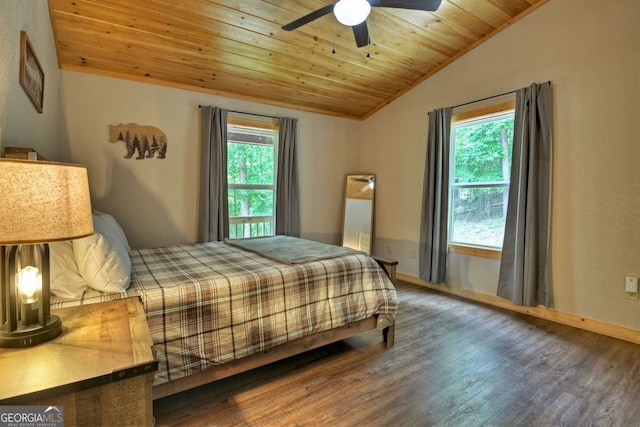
<point x="354" y="13"/>
<point x="369" y="183"/>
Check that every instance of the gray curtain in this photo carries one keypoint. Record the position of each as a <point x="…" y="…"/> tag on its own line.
<point x="287" y="187"/>
<point x="435" y="199"/>
<point x="213" y="215"/>
<point x="524" y="269"/>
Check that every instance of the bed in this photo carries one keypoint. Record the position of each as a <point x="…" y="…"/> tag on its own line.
<point x="219" y="308"/>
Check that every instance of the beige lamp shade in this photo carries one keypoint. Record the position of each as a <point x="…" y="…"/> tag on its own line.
<point x="43" y="202"/>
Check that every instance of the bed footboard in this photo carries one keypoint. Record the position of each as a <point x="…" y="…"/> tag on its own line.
<point x="274" y="354"/>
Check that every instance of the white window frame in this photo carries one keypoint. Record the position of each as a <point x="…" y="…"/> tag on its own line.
<point x="267" y="128"/>
<point x="476" y="114"/>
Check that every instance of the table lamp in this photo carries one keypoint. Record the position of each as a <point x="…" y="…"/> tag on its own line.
<point x="40" y="202"/>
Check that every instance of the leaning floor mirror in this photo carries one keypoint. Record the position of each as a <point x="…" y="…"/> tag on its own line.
<point x="357" y="223"/>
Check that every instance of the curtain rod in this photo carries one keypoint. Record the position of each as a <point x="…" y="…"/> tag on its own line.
<point x="483" y="99"/>
<point x="490" y="97"/>
<point x="249" y="114"/>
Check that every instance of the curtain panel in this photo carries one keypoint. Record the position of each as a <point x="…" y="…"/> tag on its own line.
<point x="287" y="186"/>
<point x="524" y="268"/>
<point x="435" y="199"/>
<point x="213" y="212"/>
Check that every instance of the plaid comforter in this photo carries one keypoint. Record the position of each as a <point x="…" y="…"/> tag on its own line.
<point x="210" y="303"/>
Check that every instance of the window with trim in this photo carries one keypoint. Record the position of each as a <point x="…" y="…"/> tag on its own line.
<point x="251" y="169"/>
<point x="481" y="148"/>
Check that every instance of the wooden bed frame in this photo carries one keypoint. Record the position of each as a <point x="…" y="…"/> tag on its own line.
<point x="282" y="351"/>
<point x="274" y="354"/>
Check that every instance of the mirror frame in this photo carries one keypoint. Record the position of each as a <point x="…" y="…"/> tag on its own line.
<point x="352" y="180"/>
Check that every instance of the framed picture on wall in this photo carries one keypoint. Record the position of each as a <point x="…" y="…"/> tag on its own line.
<point x="31" y="74"/>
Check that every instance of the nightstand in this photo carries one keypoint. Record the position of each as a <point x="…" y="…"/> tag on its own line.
<point x="389" y="266"/>
<point x="100" y="369"/>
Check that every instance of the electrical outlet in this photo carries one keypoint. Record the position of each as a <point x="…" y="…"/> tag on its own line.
<point x="389" y="250"/>
<point x="631" y="287"/>
<point x="412" y="253"/>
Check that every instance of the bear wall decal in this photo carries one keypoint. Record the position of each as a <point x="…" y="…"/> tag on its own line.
<point x="148" y="140"/>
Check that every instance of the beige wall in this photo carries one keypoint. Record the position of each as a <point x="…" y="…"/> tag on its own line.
<point x="20" y="124"/>
<point x="589" y="50"/>
<point x="155" y="200"/>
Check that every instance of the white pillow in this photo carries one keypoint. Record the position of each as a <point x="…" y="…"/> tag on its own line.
<point x="65" y="279"/>
<point x="107" y="225"/>
<point x="103" y="258"/>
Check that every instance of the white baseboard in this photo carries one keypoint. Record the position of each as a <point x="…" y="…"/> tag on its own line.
<point x="597" y="326"/>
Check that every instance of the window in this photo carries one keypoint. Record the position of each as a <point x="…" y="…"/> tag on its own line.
<point x="251" y="168"/>
<point x="481" y="147"/>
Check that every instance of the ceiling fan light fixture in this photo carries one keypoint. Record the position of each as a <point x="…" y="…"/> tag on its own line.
<point x="352" y="12"/>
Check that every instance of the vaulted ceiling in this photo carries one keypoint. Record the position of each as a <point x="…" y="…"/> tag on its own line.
<point x="237" y="48"/>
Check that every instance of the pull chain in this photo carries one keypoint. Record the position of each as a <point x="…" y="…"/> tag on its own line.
<point x="333" y="51"/>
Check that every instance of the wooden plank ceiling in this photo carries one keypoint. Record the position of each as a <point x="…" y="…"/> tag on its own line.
<point x="236" y="48"/>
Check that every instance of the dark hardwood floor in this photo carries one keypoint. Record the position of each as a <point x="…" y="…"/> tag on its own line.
<point x="454" y="363"/>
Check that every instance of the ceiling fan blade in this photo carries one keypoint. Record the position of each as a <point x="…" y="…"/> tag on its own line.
<point x="308" y="18"/>
<point x="361" y="33"/>
<point x="428" y="5"/>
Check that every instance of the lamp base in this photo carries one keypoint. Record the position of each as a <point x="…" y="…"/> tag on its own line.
<point x="27" y="336"/>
